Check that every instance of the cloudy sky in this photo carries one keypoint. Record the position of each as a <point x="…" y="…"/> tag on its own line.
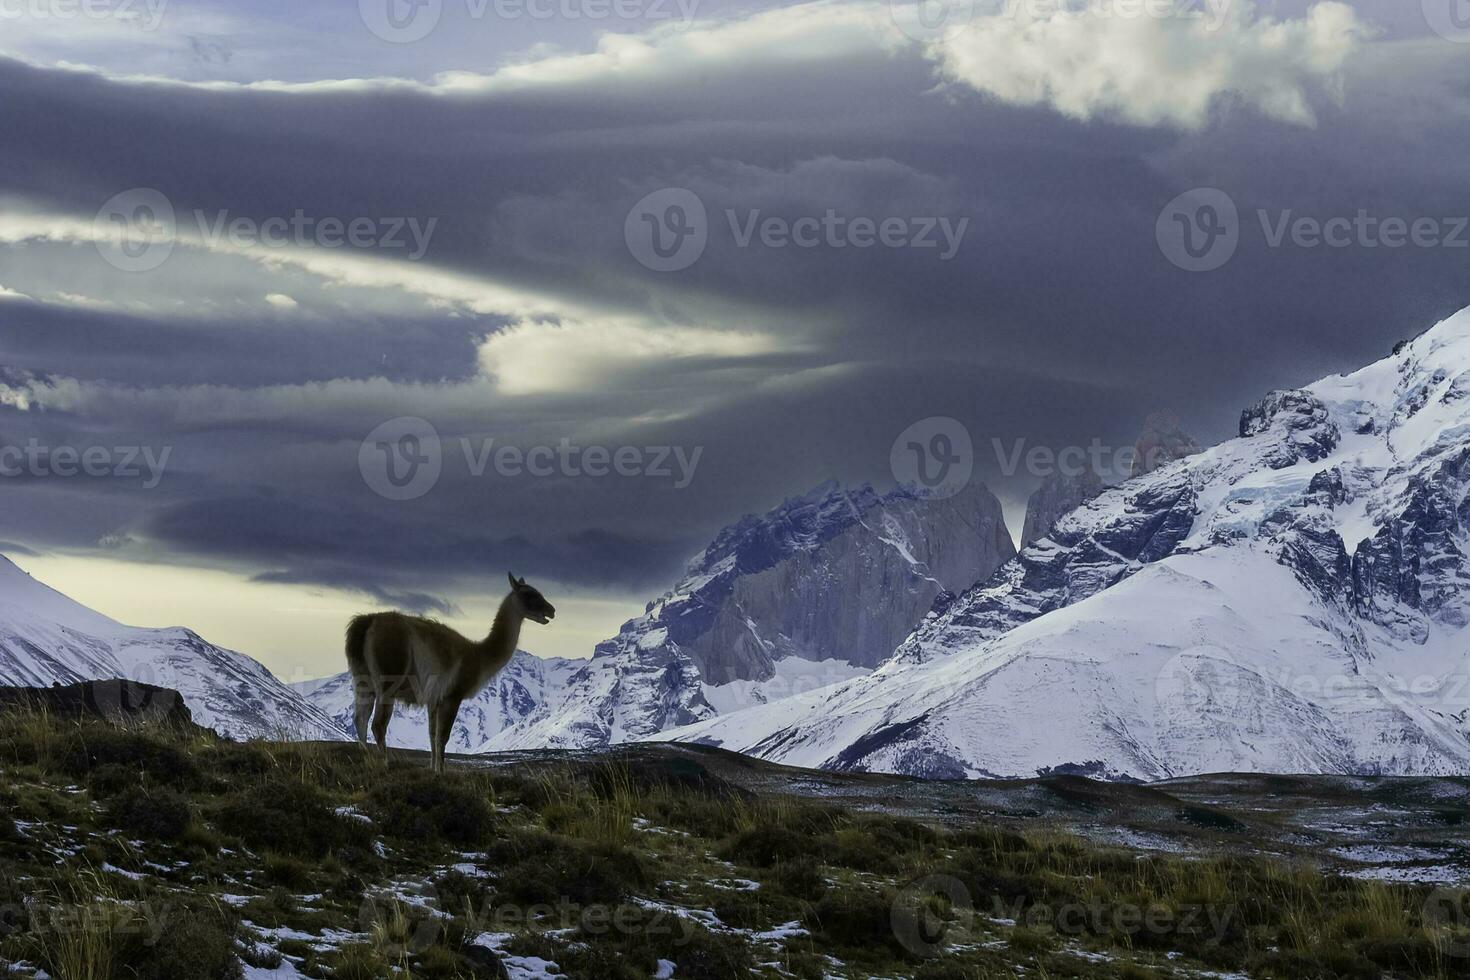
<point x="306" y="309"/>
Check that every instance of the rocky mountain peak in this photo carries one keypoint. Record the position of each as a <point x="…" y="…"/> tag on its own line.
<point x="1161" y="442"/>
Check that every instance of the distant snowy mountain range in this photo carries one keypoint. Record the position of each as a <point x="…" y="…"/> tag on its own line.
<point x="816" y="591"/>
<point x="46" y="638"/>
<point x="1295" y="599"/>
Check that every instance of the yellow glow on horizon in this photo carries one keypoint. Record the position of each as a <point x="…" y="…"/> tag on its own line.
<point x="295" y="630"/>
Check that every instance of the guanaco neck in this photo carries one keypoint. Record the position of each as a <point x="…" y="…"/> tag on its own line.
<point x="505" y="634"/>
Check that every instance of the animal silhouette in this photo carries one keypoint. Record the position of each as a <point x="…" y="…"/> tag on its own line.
<point x="394" y="657"/>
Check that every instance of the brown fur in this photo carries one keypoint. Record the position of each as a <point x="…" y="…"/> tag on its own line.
<point x="394" y="657"/>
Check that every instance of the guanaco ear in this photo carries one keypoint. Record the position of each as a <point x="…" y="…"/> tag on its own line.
<point x="513" y="582"/>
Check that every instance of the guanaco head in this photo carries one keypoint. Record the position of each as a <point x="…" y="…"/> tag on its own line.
<point x="533" y="604"/>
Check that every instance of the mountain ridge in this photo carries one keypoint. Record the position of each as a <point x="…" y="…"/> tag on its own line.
<point x="47" y="638"/>
<point x="1136" y="639"/>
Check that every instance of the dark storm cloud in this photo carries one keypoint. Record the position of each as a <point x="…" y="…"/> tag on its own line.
<point x="191" y="349"/>
<point x="354" y="581"/>
<point x="386" y="550"/>
<point x="1057" y="321"/>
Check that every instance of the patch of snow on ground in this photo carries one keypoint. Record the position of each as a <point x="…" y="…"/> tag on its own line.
<point x="517" y="967"/>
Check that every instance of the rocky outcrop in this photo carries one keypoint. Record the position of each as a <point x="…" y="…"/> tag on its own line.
<point x="839" y="575"/>
<point x="121" y="702"/>
<point x="1058" y="495"/>
<point x="1092" y="547"/>
<point x="836" y="574"/>
<point x="1297" y="423"/>
<point x="1161" y="442"/>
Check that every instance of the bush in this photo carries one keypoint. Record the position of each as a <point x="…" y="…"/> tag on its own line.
<point x="767" y="845"/>
<point x="287" y="871"/>
<point x="290" y="817"/>
<point x="704" y="955"/>
<point x="801" y="878"/>
<point x="14" y="916"/>
<point x="136" y="753"/>
<point x="879" y="845"/>
<point x="195" y="943"/>
<point x="111" y="779"/>
<point x="456" y="889"/>
<point x="418" y="805"/>
<point x="854" y="917"/>
<point x="152" y="814"/>
<point x="360" y="962"/>
<point x="586" y="874"/>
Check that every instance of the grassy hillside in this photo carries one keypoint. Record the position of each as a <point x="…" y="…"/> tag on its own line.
<point x="163" y="852"/>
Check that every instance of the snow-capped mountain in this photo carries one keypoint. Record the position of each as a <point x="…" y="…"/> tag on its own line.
<point x="47" y="638"/>
<point x="814" y="592"/>
<point x="1295" y="599"/>
<point x="526" y="683"/>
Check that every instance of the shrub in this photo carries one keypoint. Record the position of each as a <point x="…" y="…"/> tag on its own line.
<point x="196" y="943"/>
<point x="586" y="874"/>
<point x="1208" y="818"/>
<point x="768" y="844"/>
<point x="944" y="969"/>
<point x="360" y="962"/>
<point x="1029" y="942"/>
<point x="879" y="844"/>
<point x="456" y="889"/>
<point x="14" y="916"/>
<point x="136" y="752"/>
<point x="287" y="871"/>
<point x="801" y="878"/>
<point x="418" y="805"/>
<point x="290" y="817"/>
<point x="854" y="917"/>
<point x="704" y="955"/>
<point x="155" y="813"/>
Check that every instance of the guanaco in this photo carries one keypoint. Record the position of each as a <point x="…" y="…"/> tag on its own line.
<point x="395" y="657"/>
